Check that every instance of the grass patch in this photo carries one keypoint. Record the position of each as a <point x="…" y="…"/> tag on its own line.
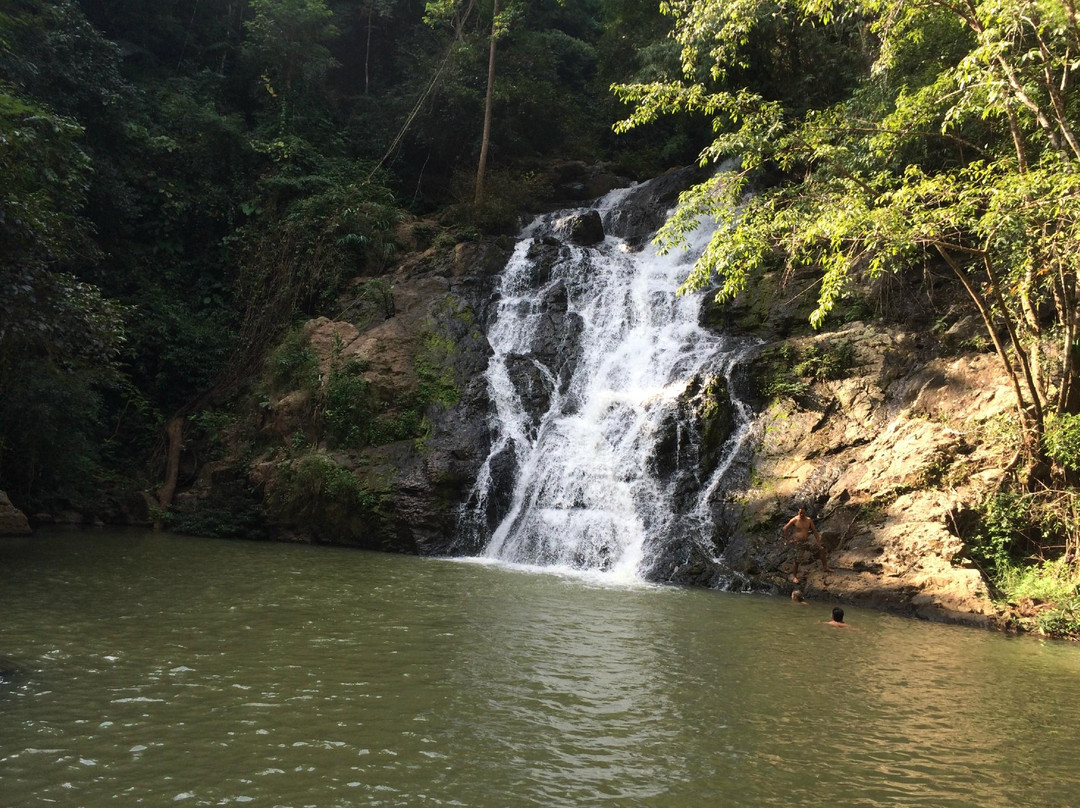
<point x="1054" y="582"/>
<point x="1048" y="581"/>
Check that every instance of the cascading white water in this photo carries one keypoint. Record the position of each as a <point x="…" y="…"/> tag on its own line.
<point x="593" y="352"/>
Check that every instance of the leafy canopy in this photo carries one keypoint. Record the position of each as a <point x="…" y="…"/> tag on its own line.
<point x="943" y="132"/>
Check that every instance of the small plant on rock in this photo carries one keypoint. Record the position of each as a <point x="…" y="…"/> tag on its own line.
<point x="826" y="362"/>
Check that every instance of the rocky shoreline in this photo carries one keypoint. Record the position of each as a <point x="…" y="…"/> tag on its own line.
<point x="891" y="434"/>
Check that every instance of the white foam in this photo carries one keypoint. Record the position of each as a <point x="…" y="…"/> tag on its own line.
<point x="587" y="500"/>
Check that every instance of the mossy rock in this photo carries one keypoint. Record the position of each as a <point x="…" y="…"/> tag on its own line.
<point x="696" y="429"/>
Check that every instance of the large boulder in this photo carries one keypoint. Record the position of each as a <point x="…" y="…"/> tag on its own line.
<point x="583" y="229"/>
<point x="13" y="522"/>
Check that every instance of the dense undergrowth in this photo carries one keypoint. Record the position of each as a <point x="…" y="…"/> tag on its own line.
<point x="1028" y="541"/>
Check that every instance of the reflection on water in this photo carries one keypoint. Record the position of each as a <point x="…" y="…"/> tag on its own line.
<point x="156" y="670"/>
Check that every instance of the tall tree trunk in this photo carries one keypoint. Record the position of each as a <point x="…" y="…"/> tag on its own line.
<point x="1022" y="357"/>
<point x="174" y="440"/>
<point x="481" y="167"/>
<point x="367" y="46"/>
<point x="1066" y="297"/>
<point x="988" y="321"/>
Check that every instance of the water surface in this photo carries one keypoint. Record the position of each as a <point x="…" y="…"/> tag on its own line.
<point x="160" y="670"/>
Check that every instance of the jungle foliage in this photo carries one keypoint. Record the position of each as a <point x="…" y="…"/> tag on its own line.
<point x="943" y="132"/>
<point x="183" y="180"/>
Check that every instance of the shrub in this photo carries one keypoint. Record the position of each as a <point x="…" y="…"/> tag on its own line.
<point x="1062" y="440"/>
<point x="1063" y="620"/>
<point x="1008" y="518"/>
<point x="292" y="365"/>
<point x="348" y="414"/>
<point x="391" y="428"/>
<point x="1005" y="518"/>
<point x="231" y="519"/>
<point x="1054" y="580"/>
<point x="506" y="195"/>
<point x="211" y="428"/>
<point x="306" y="489"/>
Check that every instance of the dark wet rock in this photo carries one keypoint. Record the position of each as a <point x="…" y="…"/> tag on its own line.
<point x="504" y="467"/>
<point x="575" y="181"/>
<point x="583" y="229"/>
<point x="694" y="432"/>
<point x="557" y="338"/>
<point x="687" y="563"/>
<point x="646" y="206"/>
<point x="543" y="254"/>
<point x="533" y="386"/>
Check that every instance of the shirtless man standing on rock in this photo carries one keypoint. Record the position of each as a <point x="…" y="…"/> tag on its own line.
<point x="797" y="532"/>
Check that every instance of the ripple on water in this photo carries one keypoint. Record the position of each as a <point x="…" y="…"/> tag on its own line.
<point x="400" y="681"/>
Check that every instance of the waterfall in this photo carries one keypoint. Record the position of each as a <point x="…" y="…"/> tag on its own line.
<point x="606" y="394"/>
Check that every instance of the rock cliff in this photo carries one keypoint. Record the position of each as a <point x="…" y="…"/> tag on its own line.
<point x="378" y="422"/>
<point x="889" y="431"/>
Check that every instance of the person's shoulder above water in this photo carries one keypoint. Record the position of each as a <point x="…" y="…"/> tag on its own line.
<point x="837" y="618"/>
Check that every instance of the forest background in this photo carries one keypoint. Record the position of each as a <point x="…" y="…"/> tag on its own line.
<point x="183" y="180"/>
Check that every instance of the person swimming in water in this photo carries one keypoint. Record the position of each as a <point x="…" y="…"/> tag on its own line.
<point x="837" y="618"/>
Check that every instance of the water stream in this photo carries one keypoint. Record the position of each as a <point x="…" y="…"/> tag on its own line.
<point x="595" y="445"/>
